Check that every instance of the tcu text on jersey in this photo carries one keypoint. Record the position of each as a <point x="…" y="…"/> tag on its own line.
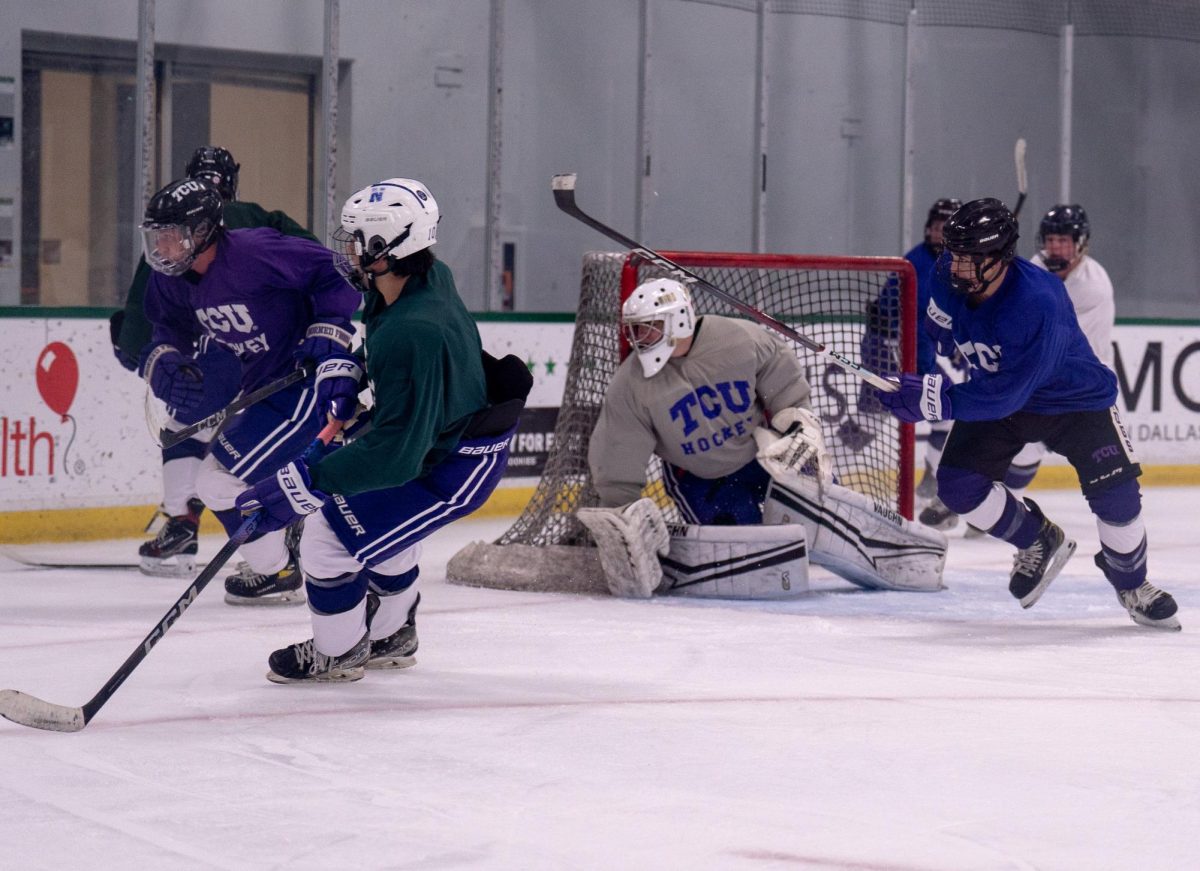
<point x="223" y="322"/>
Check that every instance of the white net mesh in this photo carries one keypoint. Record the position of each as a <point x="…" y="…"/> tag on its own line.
<point x="832" y="300"/>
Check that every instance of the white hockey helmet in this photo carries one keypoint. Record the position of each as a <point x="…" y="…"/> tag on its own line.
<point x="392" y="218"/>
<point x="655" y="318"/>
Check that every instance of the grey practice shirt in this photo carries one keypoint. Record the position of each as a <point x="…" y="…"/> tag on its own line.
<point x="699" y="412"/>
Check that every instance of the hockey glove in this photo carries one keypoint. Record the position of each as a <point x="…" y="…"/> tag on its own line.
<point x="173" y="378"/>
<point x="337" y="385"/>
<point x="321" y="340"/>
<point x="282" y="498"/>
<point x="793" y="441"/>
<point x="919" y="398"/>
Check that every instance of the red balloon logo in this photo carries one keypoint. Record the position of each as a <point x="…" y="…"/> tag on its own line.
<point x="57" y="377"/>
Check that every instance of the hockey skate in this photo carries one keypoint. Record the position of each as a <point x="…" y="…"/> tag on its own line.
<point x="937" y="516"/>
<point x="927" y="489"/>
<point x="284" y="587"/>
<point x="1147" y="604"/>
<point x="172" y="553"/>
<point x="291" y="539"/>
<point x="399" y="649"/>
<point x="302" y="662"/>
<point x="1036" y="566"/>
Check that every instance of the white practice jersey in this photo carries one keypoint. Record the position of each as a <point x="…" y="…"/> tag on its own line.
<point x="1091" y="293"/>
<point x="699" y="412"/>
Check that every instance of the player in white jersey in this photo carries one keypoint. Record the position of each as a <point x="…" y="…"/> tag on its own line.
<point x="1063" y="249"/>
<point x="725" y="405"/>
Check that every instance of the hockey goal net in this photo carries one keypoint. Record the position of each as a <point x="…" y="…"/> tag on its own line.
<point x="833" y="300"/>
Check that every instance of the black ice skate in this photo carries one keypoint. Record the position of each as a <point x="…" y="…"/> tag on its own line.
<point x="1039" y="564"/>
<point x="304" y="663"/>
<point x="284" y="587"/>
<point x="1147" y="604"/>
<point x="927" y="489"/>
<point x="399" y="649"/>
<point x="172" y="553"/>
<point x="937" y="516"/>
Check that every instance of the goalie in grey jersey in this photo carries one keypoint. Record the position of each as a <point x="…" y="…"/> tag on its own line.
<point x="726" y="407"/>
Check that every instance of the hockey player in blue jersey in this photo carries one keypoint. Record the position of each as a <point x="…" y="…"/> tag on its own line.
<point x="1034" y="377"/>
<point x="275" y="301"/>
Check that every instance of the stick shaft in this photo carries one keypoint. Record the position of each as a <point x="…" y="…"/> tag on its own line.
<point x="173" y="438"/>
<point x="564" y="197"/>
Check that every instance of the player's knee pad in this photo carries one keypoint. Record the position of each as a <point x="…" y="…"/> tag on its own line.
<point x="866" y="543"/>
<point x="186" y="448"/>
<point x="737" y="562"/>
<point x="335" y="595"/>
<point x="1119" y="504"/>
<point x="962" y="490"/>
<point x="391" y="585"/>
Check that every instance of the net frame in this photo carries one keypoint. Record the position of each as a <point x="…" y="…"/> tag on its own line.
<point x="547" y="547"/>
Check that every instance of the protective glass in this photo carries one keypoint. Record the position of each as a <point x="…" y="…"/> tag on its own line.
<point x="169" y="248"/>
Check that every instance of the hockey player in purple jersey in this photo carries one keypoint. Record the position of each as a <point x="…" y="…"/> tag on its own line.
<point x="444" y="413"/>
<point x="1034" y="377"/>
<point x="276" y="302"/>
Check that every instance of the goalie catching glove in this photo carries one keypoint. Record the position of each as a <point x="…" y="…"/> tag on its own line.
<point x="792" y="442"/>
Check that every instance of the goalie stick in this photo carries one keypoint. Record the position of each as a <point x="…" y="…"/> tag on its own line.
<point x="563" y="186"/>
<point x="36" y="713"/>
<point x="217" y="417"/>
<point x="1022" y="180"/>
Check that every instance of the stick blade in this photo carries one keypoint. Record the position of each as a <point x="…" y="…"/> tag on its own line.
<point x="31" y="711"/>
<point x="563" y="181"/>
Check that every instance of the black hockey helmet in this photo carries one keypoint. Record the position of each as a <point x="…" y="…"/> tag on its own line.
<point x="940" y="210"/>
<point x="182" y="220"/>
<point x="984" y="230"/>
<point x="215" y="164"/>
<point x="1064" y="220"/>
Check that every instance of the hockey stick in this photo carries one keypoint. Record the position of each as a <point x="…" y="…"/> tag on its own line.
<point x="175" y="437"/>
<point x="1022" y="180"/>
<point x="563" y="186"/>
<point x="36" y="713"/>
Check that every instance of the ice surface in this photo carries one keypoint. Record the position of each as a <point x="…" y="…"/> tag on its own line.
<point x="846" y="730"/>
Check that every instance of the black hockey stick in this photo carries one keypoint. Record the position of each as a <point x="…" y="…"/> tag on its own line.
<point x="38" y="714"/>
<point x="215" y="419"/>
<point x="563" y="186"/>
<point x="1022" y="180"/>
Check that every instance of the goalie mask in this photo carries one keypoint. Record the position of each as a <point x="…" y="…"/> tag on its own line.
<point x="1063" y="220"/>
<point x="182" y="220"/>
<point x="977" y="238"/>
<point x="389" y="221"/>
<point x="654" y="319"/>
<point x="216" y="166"/>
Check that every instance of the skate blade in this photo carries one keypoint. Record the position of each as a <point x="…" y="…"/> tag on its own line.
<point x="386" y="662"/>
<point x="1061" y="556"/>
<point x="1170" y="624"/>
<point x="159" y="569"/>
<point x="291" y="597"/>
<point x="337" y="675"/>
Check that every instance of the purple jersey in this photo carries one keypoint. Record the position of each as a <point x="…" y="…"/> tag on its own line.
<point x="257" y="297"/>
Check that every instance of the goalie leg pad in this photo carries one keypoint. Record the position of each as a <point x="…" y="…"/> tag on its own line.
<point x="738" y="562"/>
<point x="629" y="540"/>
<point x="866" y="543"/>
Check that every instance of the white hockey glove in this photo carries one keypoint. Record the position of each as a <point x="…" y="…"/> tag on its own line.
<point x="792" y="442"/>
<point x="630" y="540"/>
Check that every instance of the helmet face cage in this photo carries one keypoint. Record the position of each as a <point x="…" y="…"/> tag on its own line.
<point x="216" y="166"/>
<point x="986" y="232"/>
<point x="1064" y="220"/>
<point x="182" y="220"/>
<point x="654" y="319"/>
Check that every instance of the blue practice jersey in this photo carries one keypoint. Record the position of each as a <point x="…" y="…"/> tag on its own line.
<point x="257" y="298"/>
<point x="1025" y="347"/>
<point x="923" y="260"/>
